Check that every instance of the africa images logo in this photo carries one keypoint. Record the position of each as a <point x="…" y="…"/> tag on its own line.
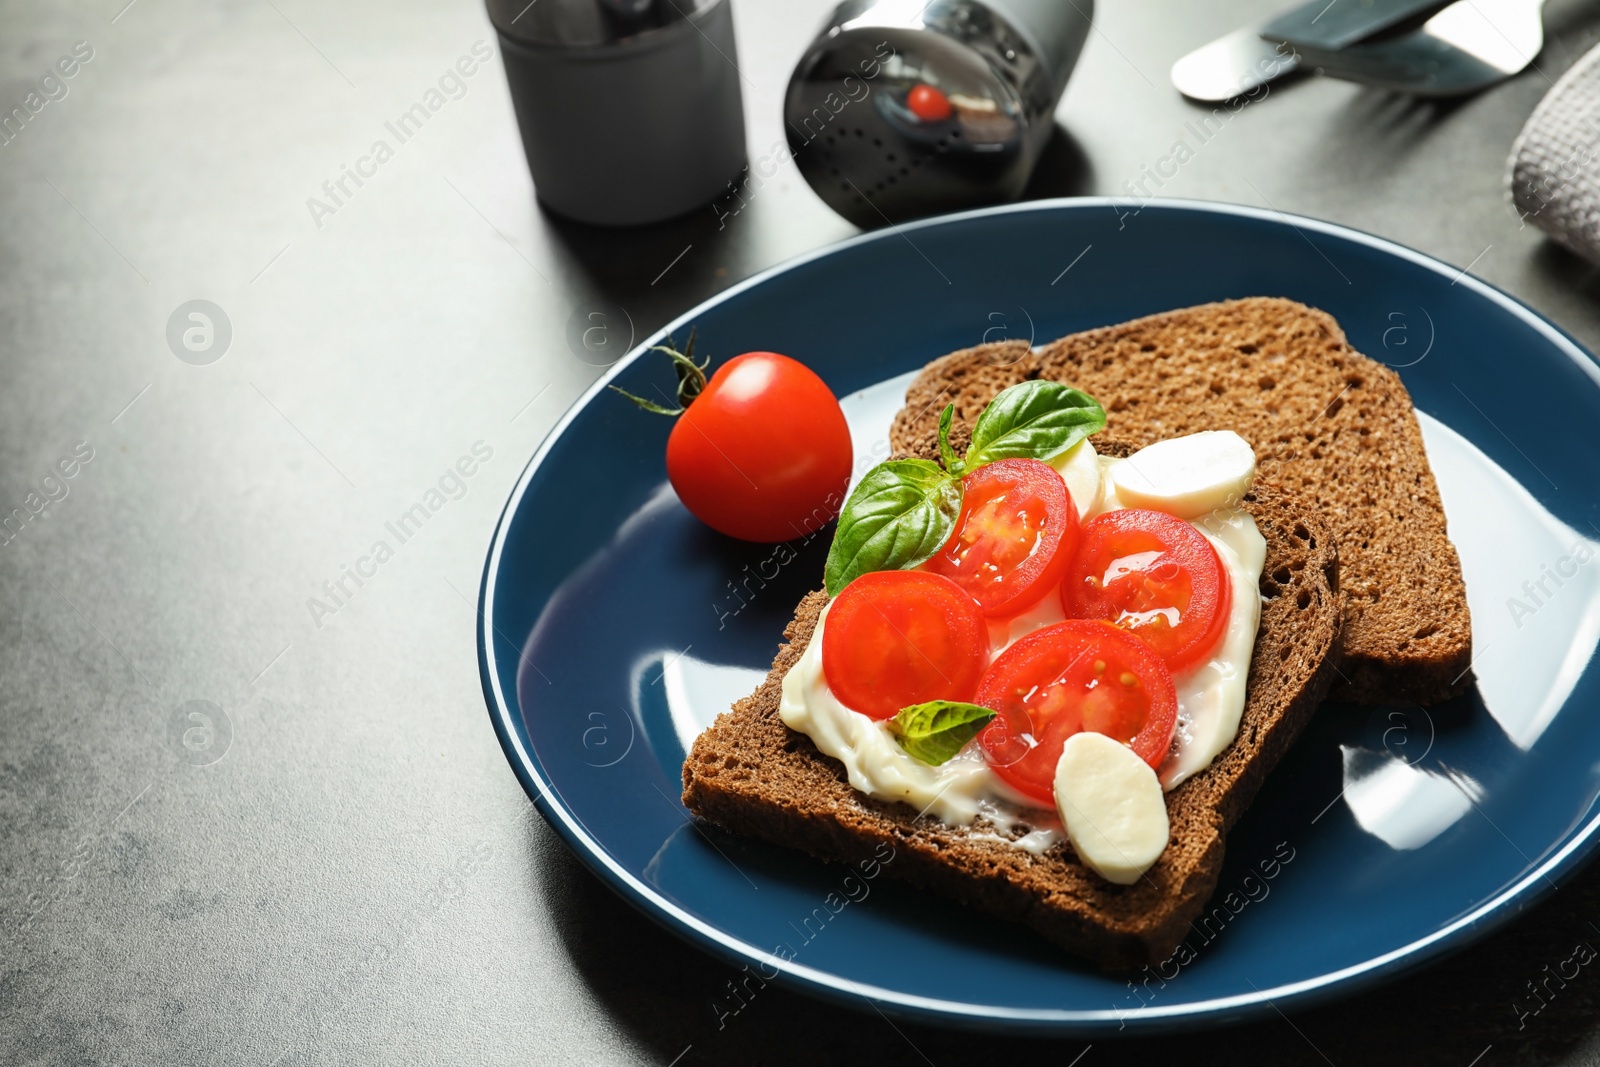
<point x="199" y="332"/>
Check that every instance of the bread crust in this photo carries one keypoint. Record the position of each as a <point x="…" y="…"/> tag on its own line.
<point x="1327" y="423"/>
<point x="753" y="775"/>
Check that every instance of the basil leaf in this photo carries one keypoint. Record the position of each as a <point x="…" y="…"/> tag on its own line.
<point x="935" y="731"/>
<point x="947" y="454"/>
<point x="1033" y="420"/>
<point x="901" y="514"/>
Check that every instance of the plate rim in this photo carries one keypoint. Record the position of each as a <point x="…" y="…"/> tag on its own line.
<point x="1509" y="902"/>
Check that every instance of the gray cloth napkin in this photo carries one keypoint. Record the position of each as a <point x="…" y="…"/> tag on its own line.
<point x="1555" y="162"/>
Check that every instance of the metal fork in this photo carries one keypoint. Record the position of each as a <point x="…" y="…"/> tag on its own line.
<point x="1467" y="46"/>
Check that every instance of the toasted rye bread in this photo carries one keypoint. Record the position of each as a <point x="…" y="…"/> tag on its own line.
<point x="753" y="775"/>
<point x="1333" y="426"/>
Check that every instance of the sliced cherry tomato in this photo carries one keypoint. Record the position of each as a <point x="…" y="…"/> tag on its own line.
<point x="1015" y="537"/>
<point x="928" y="103"/>
<point x="1076" y="675"/>
<point x="897" y="638"/>
<point x="1155" y="576"/>
<point x="763" y="453"/>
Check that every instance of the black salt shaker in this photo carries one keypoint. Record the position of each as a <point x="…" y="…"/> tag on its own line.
<point x="901" y="108"/>
<point x="630" y="110"/>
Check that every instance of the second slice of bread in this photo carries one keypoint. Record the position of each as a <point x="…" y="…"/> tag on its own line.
<point x="1327" y="422"/>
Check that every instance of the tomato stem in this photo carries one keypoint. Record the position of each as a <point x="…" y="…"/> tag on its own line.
<point x="691" y="378"/>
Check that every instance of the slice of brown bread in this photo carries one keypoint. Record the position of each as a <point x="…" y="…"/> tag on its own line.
<point x="753" y="775"/>
<point x="1328" y="423"/>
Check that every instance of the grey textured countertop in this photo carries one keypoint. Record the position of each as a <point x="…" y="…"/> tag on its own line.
<point x="329" y="861"/>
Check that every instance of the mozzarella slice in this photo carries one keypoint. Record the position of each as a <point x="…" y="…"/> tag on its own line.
<point x="1187" y="476"/>
<point x="1112" y="806"/>
<point x="1079" y="467"/>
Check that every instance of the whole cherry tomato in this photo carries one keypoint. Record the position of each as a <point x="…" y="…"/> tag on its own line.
<point x="897" y="638"/>
<point x="1073" y="676"/>
<point x="763" y="452"/>
<point x="1155" y="576"/>
<point x="1015" y="538"/>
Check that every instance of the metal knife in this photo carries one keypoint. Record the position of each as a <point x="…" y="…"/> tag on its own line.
<point x="1232" y="66"/>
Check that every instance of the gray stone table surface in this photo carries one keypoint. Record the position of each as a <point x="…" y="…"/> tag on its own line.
<point x="235" y="833"/>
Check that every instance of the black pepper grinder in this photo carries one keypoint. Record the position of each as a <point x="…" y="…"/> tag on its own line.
<point x="630" y="110"/>
<point x="901" y="108"/>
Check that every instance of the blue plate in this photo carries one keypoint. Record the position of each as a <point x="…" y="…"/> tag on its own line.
<point x="614" y="625"/>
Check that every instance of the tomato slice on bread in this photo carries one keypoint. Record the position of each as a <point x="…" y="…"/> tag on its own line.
<point x="1076" y="675"/>
<point x="897" y="638"/>
<point x="1155" y="576"/>
<point x="1015" y="537"/>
